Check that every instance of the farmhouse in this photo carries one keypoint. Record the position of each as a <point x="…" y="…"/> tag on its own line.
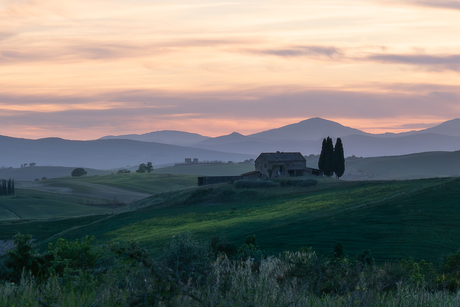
<point x="281" y="164"/>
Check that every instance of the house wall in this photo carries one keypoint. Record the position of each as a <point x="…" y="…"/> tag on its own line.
<point x="263" y="165"/>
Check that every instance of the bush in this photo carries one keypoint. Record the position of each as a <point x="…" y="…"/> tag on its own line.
<point x="254" y="184"/>
<point x="78" y="172"/>
<point x="187" y="258"/>
<point x="65" y="259"/>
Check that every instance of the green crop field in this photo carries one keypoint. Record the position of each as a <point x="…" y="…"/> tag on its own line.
<point x="144" y="183"/>
<point x="29" y="204"/>
<point x="207" y="169"/>
<point x="394" y="219"/>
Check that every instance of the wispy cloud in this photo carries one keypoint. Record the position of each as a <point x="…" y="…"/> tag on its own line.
<point x="431" y="62"/>
<point x="75" y="51"/>
<point x="446" y="4"/>
<point x="301" y="51"/>
<point x="145" y="110"/>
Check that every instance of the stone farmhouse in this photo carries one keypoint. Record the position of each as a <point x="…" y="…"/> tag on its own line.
<point x="281" y="164"/>
<point x="269" y="165"/>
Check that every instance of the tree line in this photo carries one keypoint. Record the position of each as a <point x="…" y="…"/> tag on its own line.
<point x="332" y="160"/>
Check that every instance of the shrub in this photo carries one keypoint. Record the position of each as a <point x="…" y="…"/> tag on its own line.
<point x="187" y="258"/>
<point x="254" y="184"/>
<point x="78" y="172"/>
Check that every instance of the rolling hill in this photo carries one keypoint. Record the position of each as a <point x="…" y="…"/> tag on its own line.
<point x="394" y="219"/>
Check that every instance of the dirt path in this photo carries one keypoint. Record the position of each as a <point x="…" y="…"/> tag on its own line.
<point x="84" y="189"/>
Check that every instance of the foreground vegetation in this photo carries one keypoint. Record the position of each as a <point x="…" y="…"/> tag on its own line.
<point x="217" y="273"/>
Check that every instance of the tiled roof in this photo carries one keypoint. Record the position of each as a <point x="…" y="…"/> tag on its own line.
<point x="282" y="156"/>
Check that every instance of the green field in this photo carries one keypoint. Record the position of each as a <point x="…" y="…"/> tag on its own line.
<point x="29" y="204"/>
<point x="144" y="183"/>
<point x="394" y="219"/>
<point x="207" y="169"/>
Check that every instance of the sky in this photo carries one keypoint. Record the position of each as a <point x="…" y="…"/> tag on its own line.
<point x="83" y="69"/>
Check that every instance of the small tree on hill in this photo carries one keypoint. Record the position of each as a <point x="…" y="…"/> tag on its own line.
<point x="339" y="158"/>
<point x="78" y="172"/>
<point x="142" y="168"/>
<point x="149" y="167"/>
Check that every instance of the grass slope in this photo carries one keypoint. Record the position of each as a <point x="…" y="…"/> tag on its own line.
<point x="144" y="183"/>
<point x="207" y="169"/>
<point x="28" y="204"/>
<point x="394" y="219"/>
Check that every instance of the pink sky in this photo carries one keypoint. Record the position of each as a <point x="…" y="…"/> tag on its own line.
<point x="84" y="69"/>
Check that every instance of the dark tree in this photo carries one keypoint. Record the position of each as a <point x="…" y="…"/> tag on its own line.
<point x="322" y="156"/>
<point x="4" y="188"/>
<point x="9" y="189"/>
<point x="78" y="172"/>
<point x="149" y="167"/>
<point x="329" y="158"/>
<point x="339" y="158"/>
<point x="12" y="186"/>
<point x="142" y="168"/>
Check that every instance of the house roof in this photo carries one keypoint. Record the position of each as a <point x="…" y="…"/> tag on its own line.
<point x="282" y="156"/>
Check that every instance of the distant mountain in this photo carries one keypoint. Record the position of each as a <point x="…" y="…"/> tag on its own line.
<point x="450" y="127"/>
<point x="234" y="137"/>
<point x="373" y="146"/>
<point x="306" y="137"/>
<point x="311" y="129"/>
<point x="165" y="137"/>
<point x="101" y="154"/>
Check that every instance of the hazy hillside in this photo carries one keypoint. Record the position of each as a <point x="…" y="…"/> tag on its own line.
<point x="165" y="136"/>
<point x="38" y="172"/>
<point x="371" y="146"/>
<point x="101" y="154"/>
<point x="414" y="166"/>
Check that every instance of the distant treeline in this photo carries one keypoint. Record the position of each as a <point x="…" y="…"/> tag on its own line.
<point x="7" y="187"/>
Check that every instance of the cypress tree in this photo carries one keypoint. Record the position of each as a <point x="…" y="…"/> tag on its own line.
<point x="329" y="158"/>
<point x="339" y="158"/>
<point x="9" y="187"/>
<point x="12" y="186"/>
<point x="5" y="190"/>
<point x="322" y="156"/>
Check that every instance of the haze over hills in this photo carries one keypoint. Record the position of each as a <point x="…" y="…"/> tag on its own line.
<point x="306" y="137"/>
<point x="100" y="154"/>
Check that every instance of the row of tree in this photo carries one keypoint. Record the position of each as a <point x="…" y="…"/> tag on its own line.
<point x="332" y="160"/>
<point x="7" y="187"/>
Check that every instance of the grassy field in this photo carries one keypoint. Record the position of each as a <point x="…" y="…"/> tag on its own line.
<point x="29" y="204"/>
<point x="144" y="183"/>
<point x="207" y="169"/>
<point x="394" y="219"/>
